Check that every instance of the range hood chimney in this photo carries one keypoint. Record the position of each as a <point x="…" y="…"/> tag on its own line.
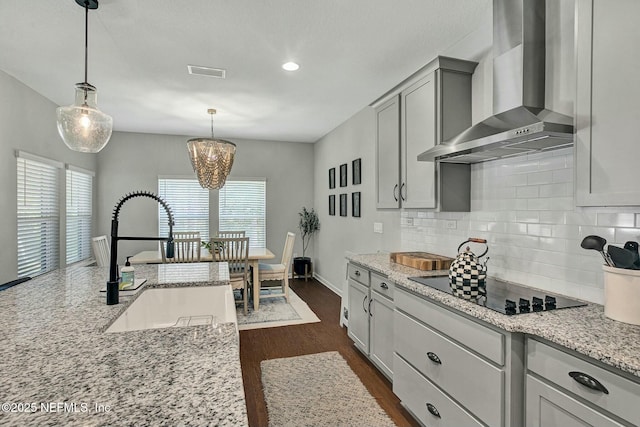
<point x="520" y="123"/>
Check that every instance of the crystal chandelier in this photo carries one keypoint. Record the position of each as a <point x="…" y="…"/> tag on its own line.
<point x="211" y="158"/>
<point x="82" y="126"/>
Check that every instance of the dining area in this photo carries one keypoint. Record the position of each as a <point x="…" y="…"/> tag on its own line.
<point x="254" y="278"/>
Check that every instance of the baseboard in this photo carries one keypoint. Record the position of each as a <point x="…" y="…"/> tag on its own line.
<point x="327" y="284"/>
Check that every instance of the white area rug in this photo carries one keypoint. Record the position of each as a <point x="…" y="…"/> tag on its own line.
<point x="275" y="312"/>
<point x="318" y="390"/>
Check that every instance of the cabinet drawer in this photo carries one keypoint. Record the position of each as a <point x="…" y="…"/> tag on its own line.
<point x="470" y="380"/>
<point x="382" y="285"/>
<point x="416" y="392"/>
<point x="485" y="341"/>
<point x="555" y="366"/>
<point x="547" y="406"/>
<point x="359" y="274"/>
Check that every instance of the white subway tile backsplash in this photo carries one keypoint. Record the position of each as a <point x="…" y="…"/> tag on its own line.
<point x="524" y="207"/>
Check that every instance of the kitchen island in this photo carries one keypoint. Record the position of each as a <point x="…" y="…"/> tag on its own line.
<point x="61" y="368"/>
<point x="585" y="330"/>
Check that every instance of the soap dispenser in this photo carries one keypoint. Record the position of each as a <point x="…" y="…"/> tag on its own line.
<point x="127" y="275"/>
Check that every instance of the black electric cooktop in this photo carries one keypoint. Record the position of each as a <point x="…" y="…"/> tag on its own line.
<point x="506" y="297"/>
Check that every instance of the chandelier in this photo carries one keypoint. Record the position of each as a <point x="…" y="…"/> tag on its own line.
<point x="82" y="126"/>
<point x="211" y="158"/>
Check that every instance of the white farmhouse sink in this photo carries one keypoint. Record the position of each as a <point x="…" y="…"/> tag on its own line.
<point x="175" y="307"/>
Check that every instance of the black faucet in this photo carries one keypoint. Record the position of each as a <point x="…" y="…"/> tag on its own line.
<point x="113" y="291"/>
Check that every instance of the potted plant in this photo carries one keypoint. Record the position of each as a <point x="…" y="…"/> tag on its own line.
<point x="308" y="225"/>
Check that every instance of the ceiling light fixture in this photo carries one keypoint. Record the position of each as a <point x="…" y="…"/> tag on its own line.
<point x="290" y="66"/>
<point x="82" y="126"/>
<point x="211" y="158"/>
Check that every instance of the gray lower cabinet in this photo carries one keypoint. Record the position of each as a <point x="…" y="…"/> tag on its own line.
<point x="451" y="369"/>
<point x="371" y="316"/>
<point x="607" y="107"/>
<point x="564" y="389"/>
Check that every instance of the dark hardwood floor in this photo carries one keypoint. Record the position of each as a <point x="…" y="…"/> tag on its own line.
<point x="270" y="343"/>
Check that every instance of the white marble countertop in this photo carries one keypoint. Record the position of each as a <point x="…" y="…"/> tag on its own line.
<point x="59" y="367"/>
<point x="583" y="329"/>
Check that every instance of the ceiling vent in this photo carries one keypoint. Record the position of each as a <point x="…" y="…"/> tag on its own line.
<point x="218" y="73"/>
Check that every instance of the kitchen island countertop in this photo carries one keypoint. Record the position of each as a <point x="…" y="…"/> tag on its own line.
<point x="583" y="329"/>
<point x="61" y="368"/>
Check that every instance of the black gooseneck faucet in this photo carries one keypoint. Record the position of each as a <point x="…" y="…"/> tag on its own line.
<point x="113" y="291"/>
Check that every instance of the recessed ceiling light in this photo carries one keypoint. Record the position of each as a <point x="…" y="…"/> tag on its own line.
<point x="290" y="66"/>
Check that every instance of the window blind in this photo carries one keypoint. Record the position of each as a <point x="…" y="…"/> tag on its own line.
<point x="242" y="206"/>
<point x="79" y="213"/>
<point x="38" y="217"/>
<point x="189" y="204"/>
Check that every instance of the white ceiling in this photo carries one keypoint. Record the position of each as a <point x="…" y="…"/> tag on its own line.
<point x="350" y="52"/>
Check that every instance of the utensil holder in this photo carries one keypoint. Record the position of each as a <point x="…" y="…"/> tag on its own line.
<point x="622" y="294"/>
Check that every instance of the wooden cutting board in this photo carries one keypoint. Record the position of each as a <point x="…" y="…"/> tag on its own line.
<point x="422" y="260"/>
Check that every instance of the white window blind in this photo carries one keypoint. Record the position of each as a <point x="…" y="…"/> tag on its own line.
<point x="38" y="217"/>
<point x="189" y="204"/>
<point x="79" y="213"/>
<point x="242" y="206"/>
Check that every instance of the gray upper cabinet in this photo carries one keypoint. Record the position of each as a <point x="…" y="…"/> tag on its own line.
<point x="428" y="108"/>
<point x="607" y="106"/>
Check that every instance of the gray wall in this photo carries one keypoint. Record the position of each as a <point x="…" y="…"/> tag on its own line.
<point x="133" y="161"/>
<point x="28" y="123"/>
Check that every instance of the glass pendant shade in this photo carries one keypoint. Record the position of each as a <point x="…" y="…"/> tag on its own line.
<point x="212" y="160"/>
<point x="82" y="126"/>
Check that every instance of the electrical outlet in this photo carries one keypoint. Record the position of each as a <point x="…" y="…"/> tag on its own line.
<point x="345" y="313"/>
<point x="377" y="227"/>
<point x="452" y="225"/>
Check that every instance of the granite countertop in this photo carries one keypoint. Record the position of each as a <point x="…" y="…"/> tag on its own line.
<point x="583" y="329"/>
<point x="61" y="368"/>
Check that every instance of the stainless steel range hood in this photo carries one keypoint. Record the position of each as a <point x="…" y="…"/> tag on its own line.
<point x="520" y="123"/>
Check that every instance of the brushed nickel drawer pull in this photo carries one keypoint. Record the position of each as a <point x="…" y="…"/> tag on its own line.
<point x="432" y="409"/>
<point x="588" y="381"/>
<point x="384" y="286"/>
<point x="434" y="358"/>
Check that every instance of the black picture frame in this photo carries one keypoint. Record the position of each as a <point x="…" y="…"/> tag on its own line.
<point x="355" y="204"/>
<point x="343" y="175"/>
<point x="332" y="205"/>
<point x="356" y="174"/>
<point x="332" y="178"/>
<point x="343" y="204"/>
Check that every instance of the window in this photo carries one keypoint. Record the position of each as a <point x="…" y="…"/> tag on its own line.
<point x="242" y="206"/>
<point x="38" y="215"/>
<point x="79" y="213"/>
<point x="189" y="204"/>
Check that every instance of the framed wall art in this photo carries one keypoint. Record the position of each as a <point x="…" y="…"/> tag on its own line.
<point x="356" y="177"/>
<point x="332" y="178"/>
<point x="332" y="204"/>
<point x="355" y="204"/>
<point x="343" y="175"/>
<point x="343" y="204"/>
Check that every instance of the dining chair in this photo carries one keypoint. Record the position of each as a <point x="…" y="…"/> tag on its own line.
<point x="278" y="271"/>
<point x="186" y="234"/>
<point x="235" y="252"/>
<point x="185" y="250"/>
<point x="231" y="234"/>
<point x="101" y="250"/>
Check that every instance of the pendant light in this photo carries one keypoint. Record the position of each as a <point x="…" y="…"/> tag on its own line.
<point x="211" y="158"/>
<point x="82" y="126"/>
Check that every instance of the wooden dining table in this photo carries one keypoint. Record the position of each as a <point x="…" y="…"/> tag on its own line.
<point x="255" y="256"/>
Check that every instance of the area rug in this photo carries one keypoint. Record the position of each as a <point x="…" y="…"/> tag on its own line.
<point x="275" y="312"/>
<point x="318" y="390"/>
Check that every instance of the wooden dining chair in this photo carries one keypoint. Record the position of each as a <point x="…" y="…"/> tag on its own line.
<point x="101" y="250"/>
<point x="185" y="250"/>
<point x="231" y="234"/>
<point x="186" y="234"/>
<point x="235" y="252"/>
<point x="278" y="271"/>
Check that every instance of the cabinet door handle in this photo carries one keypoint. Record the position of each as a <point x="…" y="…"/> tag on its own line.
<point x="357" y="273"/>
<point x="588" y="381"/>
<point x="400" y="193"/>
<point x="394" y="192"/>
<point x="434" y="358"/>
<point x="370" y="301"/>
<point x="432" y="409"/>
<point x="363" y="307"/>
<point x="384" y="286"/>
